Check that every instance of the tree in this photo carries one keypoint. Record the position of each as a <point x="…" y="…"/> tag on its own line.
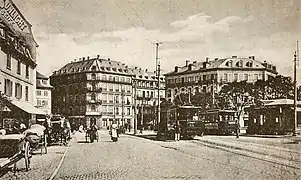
<point x="236" y="96"/>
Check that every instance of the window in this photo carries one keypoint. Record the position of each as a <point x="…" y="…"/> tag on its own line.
<point x="226" y="77"/>
<point x="93" y="76"/>
<point x="8" y="87"/>
<point x="44" y="103"/>
<point x="45" y="93"/>
<point x="93" y="97"/>
<point x="204" y="77"/>
<point x="104" y="97"/>
<point x="196" y="89"/>
<point x="246" y="77"/>
<point x="39" y="93"/>
<point x="39" y="103"/>
<point x="143" y="93"/>
<point x="18" y="90"/>
<point x="8" y="61"/>
<point x="26" y="93"/>
<point x="104" y="77"/>
<point x="235" y="77"/>
<point x="93" y="68"/>
<point x="19" y="68"/>
<point x="110" y="78"/>
<point x="93" y="108"/>
<point x="255" y="77"/>
<point x="27" y="72"/>
<point x="204" y="89"/>
<point x="128" y="111"/>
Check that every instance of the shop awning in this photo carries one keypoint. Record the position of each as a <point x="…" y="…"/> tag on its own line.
<point x="27" y="107"/>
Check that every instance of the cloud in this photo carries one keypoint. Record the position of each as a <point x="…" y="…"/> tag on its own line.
<point x="193" y="38"/>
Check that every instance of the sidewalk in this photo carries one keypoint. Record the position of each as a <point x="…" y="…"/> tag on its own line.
<point x="41" y="166"/>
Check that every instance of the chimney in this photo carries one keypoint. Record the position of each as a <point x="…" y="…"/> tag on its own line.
<point x="187" y="62"/>
<point x="176" y="68"/>
<point x="135" y="67"/>
<point x="205" y="64"/>
<point x="207" y="59"/>
<point x="234" y="56"/>
<point x="252" y="57"/>
<point x="145" y="70"/>
<point x="83" y="58"/>
<point x="80" y="58"/>
<point x="194" y="62"/>
<point x="74" y="60"/>
<point x="88" y="58"/>
<point x="97" y="56"/>
<point x="215" y="59"/>
<point x="109" y="59"/>
<point x="265" y="64"/>
<point x="189" y="67"/>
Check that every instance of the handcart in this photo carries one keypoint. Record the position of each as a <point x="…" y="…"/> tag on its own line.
<point x="14" y="147"/>
<point x="36" y="137"/>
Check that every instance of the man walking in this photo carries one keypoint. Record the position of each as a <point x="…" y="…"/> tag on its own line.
<point x="177" y="132"/>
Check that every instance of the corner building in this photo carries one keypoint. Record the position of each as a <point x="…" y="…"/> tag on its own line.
<point x="93" y="90"/>
<point x="17" y="66"/>
<point x="211" y="75"/>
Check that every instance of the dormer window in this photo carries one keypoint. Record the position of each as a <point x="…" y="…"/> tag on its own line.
<point x="93" y="68"/>
<point x="249" y="64"/>
<point x="229" y="63"/>
<point x="239" y="63"/>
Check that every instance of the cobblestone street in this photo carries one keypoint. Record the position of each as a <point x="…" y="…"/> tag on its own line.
<point x="42" y="166"/>
<point x="137" y="158"/>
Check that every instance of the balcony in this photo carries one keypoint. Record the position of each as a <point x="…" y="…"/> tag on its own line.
<point x="96" y="101"/>
<point x="91" y="89"/>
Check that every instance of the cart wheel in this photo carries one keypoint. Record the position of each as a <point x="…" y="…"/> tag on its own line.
<point x="27" y="155"/>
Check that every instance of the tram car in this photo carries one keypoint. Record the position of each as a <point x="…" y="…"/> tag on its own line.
<point x="219" y="122"/>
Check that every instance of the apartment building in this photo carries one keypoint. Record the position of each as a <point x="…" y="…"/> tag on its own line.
<point x="17" y="66"/>
<point x="43" y="93"/>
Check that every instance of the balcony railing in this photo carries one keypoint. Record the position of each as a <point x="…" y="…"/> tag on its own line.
<point x="96" y="101"/>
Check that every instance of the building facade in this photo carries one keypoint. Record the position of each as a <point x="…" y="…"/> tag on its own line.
<point x="101" y="90"/>
<point x="17" y="64"/>
<point x="43" y="93"/>
<point x="211" y="75"/>
<point x="93" y="89"/>
<point x="146" y="86"/>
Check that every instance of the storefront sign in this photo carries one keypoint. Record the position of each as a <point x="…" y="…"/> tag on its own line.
<point x="13" y="16"/>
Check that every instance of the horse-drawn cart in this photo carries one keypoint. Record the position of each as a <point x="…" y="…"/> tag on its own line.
<point x="13" y="148"/>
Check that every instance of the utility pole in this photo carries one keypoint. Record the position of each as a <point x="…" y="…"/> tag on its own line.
<point x="122" y="106"/>
<point x="135" y="106"/>
<point x="158" y="74"/>
<point x="295" y="90"/>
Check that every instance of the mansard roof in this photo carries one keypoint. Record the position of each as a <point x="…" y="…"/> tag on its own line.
<point x="233" y="62"/>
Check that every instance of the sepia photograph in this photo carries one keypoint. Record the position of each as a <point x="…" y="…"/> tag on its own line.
<point x="150" y="90"/>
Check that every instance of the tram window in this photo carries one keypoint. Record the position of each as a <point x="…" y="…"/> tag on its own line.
<point x="254" y="120"/>
<point x="277" y="120"/>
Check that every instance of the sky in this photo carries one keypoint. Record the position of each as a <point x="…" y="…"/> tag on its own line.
<point x="126" y="30"/>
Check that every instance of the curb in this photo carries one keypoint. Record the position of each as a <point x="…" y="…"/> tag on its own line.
<point x="60" y="164"/>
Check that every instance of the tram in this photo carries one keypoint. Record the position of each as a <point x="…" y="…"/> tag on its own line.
<point x="188" y="119"/>
<point x="219" y="122"/>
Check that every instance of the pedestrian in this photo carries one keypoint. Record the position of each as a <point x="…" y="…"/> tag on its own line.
<point x="177" y="132"/>
<point x="237" y="129"/>
<point x="114" y="131"/>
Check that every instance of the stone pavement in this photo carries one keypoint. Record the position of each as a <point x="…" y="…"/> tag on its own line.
<point x="42" y="166"/>
<point x="134" y="158"/>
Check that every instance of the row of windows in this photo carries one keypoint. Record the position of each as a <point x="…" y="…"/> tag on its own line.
<point x="110" y="110"/>
<point x="95" y="76"/>
<point x="19" y="66"/>
<point x="8" y="89"/>
<point x="42" y="103"/>
<point x="239" y="64"/>
<point x="229" y="77"/>
<point x="192" y="78"/>
<point x="40" y="92"/>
